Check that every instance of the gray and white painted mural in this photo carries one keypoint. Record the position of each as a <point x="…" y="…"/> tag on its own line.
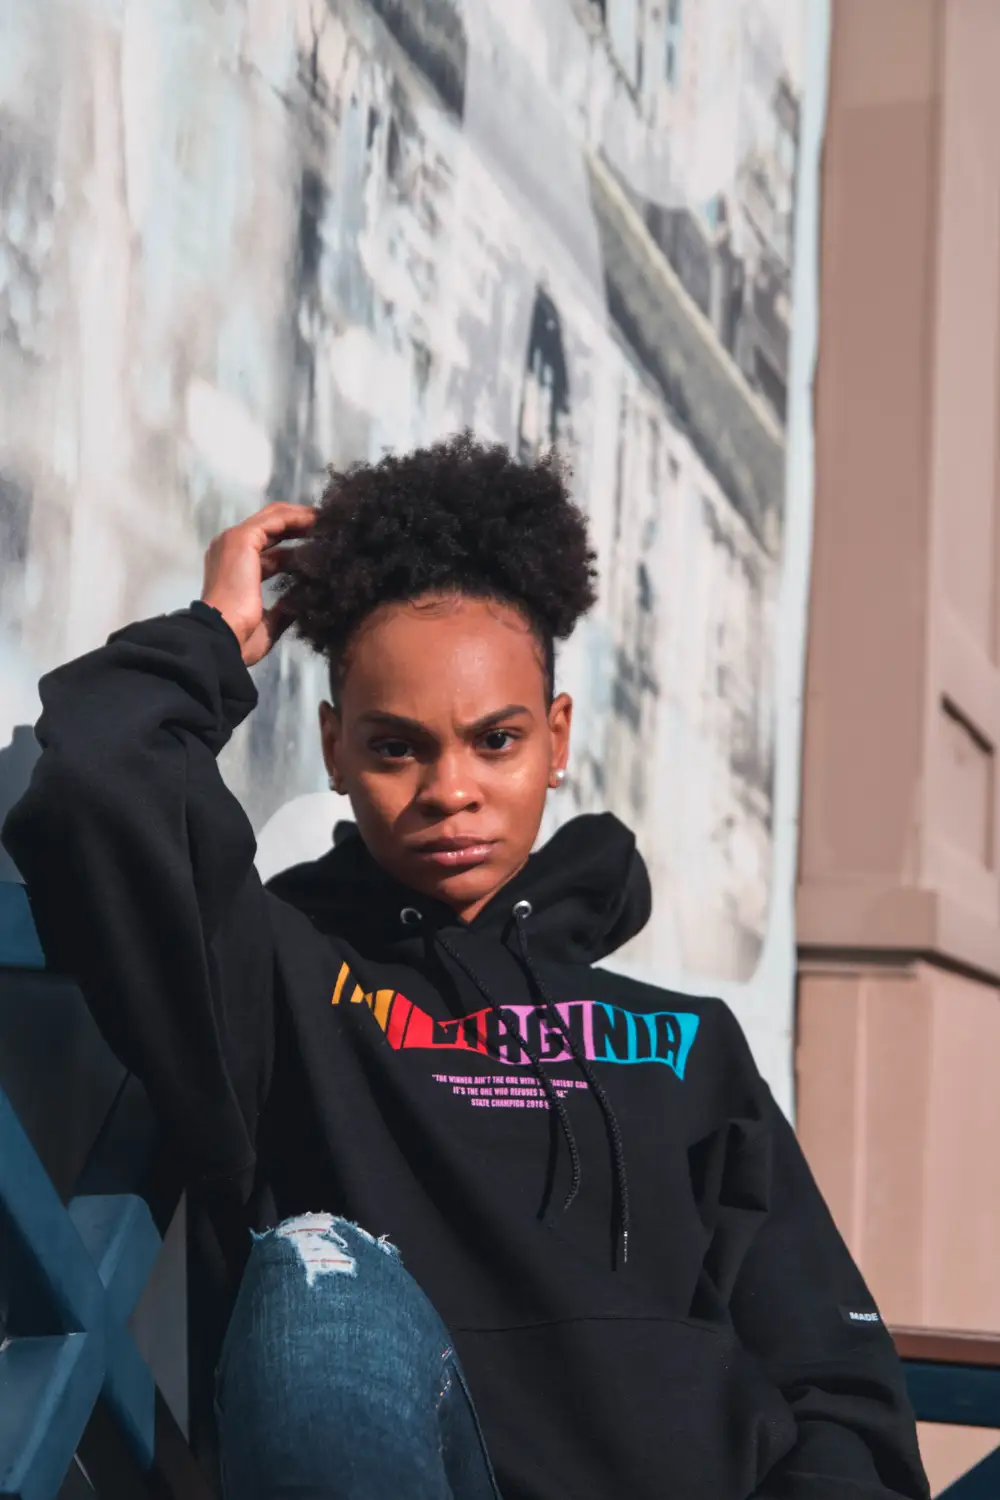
<point x="241" y="239"/>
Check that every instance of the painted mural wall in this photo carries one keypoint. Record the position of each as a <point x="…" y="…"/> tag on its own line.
<point x="242" y="239"/>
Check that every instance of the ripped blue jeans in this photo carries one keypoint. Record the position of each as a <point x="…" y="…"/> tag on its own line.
<point x="338" y="1380"/>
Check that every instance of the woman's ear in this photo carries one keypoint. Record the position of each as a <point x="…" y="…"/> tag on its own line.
<point x="330" y="735"/>
<point x="560" y="722"/>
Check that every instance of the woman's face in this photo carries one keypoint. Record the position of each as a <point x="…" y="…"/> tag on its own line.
<point x="445" y="744"/>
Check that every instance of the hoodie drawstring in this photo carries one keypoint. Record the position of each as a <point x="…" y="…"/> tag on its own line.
<point x="537" y="1068"/>
<point x="521" y="912"/>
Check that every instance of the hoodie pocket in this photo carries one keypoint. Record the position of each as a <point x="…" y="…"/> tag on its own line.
<point x="599" y="1408"/>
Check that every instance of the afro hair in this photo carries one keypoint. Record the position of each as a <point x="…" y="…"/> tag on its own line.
<point x="458" y="517"/>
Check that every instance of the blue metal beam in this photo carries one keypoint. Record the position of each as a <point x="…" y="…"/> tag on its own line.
<point x="119" y="1235"/>
<point x="91" y="1262"/>
<point x="48" y="1387"/>
<point x="962" y="1395"/>
<point x="981" y="1483"/>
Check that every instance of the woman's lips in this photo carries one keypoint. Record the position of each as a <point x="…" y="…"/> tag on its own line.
<point x="456" y="854"/>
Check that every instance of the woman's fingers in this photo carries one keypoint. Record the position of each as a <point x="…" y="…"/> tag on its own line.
<point x="275" y="560"/>
<point x="240" y="559"/>
<point x="278" y="521"/>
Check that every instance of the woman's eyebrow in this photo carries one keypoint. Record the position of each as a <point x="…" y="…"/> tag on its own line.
<point x="391" y="721"/>
<point x="511" y="711"/>
<point x="387" y="720"/>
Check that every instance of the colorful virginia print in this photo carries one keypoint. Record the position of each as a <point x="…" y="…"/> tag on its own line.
<point x="604" y="1033"/>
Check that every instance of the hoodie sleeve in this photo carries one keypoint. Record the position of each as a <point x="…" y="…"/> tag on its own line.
<point x="139" y="867"/>
<point x="800" y="1306"/>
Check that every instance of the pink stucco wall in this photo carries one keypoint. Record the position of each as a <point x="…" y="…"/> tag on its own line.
<point x="899" y="893"/>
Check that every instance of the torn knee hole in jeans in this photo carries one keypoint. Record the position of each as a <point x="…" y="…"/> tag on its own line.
<point x="322" y="1249"/>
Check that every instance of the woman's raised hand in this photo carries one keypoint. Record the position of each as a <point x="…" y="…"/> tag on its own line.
<point x="237" y="564"/>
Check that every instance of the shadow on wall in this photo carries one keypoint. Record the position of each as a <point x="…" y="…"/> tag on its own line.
<point x="16" y="762"/>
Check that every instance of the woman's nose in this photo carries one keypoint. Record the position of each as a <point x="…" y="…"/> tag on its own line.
<point x="449" y="785"/>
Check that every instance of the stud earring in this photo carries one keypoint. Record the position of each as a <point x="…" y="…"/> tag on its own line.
<point x="333" y="785"/>
<point x="559" y="775"/>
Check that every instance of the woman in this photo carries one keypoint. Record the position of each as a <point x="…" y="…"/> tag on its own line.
<point x="582" y="1210"/>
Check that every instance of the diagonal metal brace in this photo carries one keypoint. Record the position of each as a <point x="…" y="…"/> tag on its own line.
<point x="92" y="1261"/>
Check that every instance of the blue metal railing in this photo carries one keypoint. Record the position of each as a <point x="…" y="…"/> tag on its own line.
<point x="89" y="1260"/>
<point x="948" y="1386"/>
<point x="71" y="1275"/>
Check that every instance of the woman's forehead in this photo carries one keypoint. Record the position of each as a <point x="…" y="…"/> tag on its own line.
<point x="463" y="653"/>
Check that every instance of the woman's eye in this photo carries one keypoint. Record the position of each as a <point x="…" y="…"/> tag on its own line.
<point x="392" y="749"/>
<point x="497" y="739"/>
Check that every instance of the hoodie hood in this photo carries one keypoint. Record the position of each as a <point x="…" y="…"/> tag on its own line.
<point x="588" y="888"/>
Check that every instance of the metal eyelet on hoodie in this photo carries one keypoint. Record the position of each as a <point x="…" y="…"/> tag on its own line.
<point x="522" y="910"/>
<point x="410" y="917"/>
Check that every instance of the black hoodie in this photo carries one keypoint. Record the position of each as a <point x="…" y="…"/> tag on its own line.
<point x="690" y="1327"/>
